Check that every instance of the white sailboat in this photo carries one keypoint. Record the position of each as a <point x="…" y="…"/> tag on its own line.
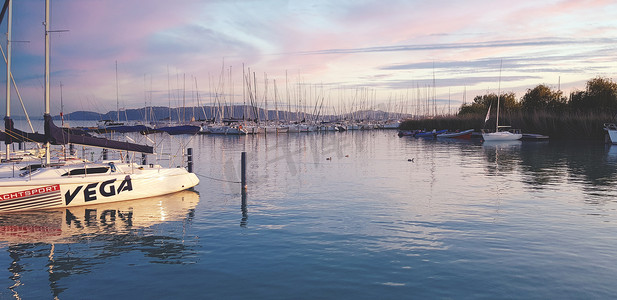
<point x="502" y="133"/>
<point x="611" y="131"/>
<point x="88" y="183"/>
<point x="509" y="135"/>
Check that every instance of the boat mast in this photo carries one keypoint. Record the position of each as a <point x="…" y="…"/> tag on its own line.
<point x="498" y="97"/>
<point x="246" y="89"/>
<point x="168" y="96"/>
<point x="117" y="96"/>
<point x="276" y="106"/>
<point x="8" y="72"/>
<point x="184" y="98"/>
<point x="61" y="106"/>
<point x="47" y="158"/>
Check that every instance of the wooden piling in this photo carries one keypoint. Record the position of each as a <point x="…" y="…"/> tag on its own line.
<point x="243" y="170"/>
<point x="189" y="157"/>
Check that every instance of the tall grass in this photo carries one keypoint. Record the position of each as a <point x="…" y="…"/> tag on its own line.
<point x="578" y="125"/>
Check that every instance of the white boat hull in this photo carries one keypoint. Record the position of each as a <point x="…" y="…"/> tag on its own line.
<point x="612" y="134"/>
<point x="391" y="125"/>
<point x="611" y="129"/>
<point x="59" y="192"/>
<point x="501" y="136"/>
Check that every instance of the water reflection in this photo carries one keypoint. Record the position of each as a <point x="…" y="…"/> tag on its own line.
<point x="244" y="209"/>
<point x="545" y="164"/>
<point x="590" y="164"/>
<point x="74" y="223"/>
<point x="75" y="240"/>
<point x="502" y="156"/>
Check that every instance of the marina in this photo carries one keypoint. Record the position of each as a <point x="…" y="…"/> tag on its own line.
<point x="531" y="219"/>
<point x="260" y="151"/>
<point x="39" y="185"/>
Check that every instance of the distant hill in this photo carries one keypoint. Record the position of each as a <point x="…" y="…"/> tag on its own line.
<point x="160" y="113"/>
<point x="82" y="115"/>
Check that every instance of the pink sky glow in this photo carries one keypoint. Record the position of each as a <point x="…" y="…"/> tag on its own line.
<point x="390" y="48"/>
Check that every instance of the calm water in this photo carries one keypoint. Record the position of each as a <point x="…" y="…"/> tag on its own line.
<point x="340" y="216"/>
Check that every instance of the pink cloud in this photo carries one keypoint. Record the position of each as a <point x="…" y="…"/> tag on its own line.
<point x="194" y="37"/>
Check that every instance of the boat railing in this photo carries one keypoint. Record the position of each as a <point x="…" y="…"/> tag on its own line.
<point x="503" y="128"/>
<point x="610" y="126"/>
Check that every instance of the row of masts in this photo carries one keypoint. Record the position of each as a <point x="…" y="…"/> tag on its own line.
<point x="8" y="8"/>
<point x="52" y="133"/>
<point x="263" y="101"/>
<point x="304" y="102"/>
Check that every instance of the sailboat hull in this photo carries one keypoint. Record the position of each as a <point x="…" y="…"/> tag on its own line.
<point x="180" y="129"/>
<point x="59" y="192"/>
<point x="501" y="136"/>
<point x="465" y="135"/>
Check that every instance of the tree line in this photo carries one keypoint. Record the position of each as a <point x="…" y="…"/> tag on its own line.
<point x="599" y="96"/>
<point x="540" y="110"/>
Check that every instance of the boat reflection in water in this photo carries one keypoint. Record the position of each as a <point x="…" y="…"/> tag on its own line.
<point x="75" y="240"/>
<point x="64" y="225"/>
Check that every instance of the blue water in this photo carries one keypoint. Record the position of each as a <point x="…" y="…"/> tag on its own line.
<point x="354" y="215"/>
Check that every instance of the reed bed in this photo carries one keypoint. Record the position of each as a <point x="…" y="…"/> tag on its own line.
<point x="580" y="125"/>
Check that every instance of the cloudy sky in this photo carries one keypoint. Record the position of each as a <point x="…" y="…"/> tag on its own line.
<point x="352" y="53"/>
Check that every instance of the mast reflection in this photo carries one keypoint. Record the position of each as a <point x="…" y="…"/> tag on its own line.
<point x="244" y="209"/>
<point x="75" y="240"/>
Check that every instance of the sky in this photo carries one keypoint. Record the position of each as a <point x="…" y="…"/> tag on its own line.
<point x="342" y="55"/>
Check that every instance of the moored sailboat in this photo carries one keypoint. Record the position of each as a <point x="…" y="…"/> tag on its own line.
<point x="502" y="133"/>
<point x="611" y="132"/>
<point x="464" y="135"/>
<point x="89" y="183"/>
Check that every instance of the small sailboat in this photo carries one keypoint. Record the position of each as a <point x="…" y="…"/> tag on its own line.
<point x="430" y="134"/>
<point x="502" y="133"/>
<point x="177" y="129"/>
<point x="108" y="126"/>
<point x="464" y="135"/>
<point x="51" y="186"/>
<point x="611" y="132"/>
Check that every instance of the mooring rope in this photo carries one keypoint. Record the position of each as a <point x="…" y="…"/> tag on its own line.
<point x="218" y="179"/>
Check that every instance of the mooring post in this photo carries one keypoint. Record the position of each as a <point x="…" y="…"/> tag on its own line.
<point x="105" y="154"/>
<point x="243" y="170"/>
<point x="243" y="207"/>
<point x="144" y="159"/>
<point x="189" y="158"/>
<point x="244" y="210"/>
